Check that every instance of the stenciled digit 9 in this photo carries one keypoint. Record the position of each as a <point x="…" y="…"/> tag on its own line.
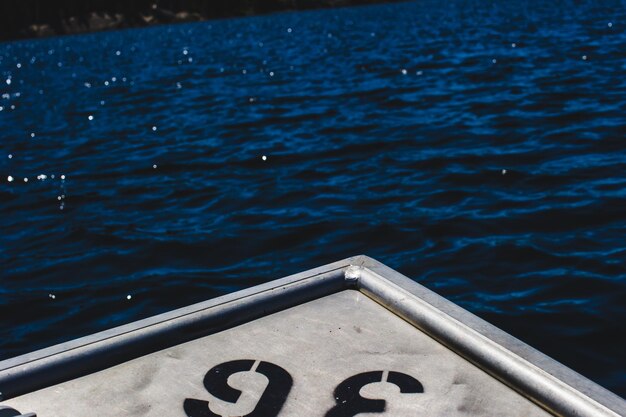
<point x="216" y="383"/>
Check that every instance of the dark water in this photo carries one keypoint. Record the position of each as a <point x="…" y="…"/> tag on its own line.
<point x="417" y="133"/>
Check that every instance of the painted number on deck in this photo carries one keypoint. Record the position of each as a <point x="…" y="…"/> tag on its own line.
<point x="216" y="383"/>
<point x="349" y="401"/>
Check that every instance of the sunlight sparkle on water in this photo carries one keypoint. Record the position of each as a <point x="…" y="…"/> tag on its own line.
<point x="90" y="117"/>
<point x="10" y="178"/>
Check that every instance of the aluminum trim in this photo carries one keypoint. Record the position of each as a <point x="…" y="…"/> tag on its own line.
<point x="78" y="357"/>
<point x="548" y="383"/>
<point x="516" y="364"/>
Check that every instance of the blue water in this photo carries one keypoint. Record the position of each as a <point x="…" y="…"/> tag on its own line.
<point x="477" y="147"/>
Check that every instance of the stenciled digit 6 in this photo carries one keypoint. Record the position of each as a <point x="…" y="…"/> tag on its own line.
<point x="350" y="403"/>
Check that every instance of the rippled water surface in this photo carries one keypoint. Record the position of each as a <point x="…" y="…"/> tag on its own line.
<point x="477" y="147"/>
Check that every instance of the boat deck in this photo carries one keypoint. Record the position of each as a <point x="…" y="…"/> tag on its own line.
<point x="378" y="343"/>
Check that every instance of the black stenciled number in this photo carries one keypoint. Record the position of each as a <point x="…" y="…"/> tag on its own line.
<point x="8" y="412"/>
<point x="350" y="403"/>
<point x="216" y="383"/>
<point x="11" y="412"/>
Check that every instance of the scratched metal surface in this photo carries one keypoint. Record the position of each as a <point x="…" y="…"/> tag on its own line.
<point x="319" y="345"/>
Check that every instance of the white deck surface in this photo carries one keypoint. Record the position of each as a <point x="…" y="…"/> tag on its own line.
<point x="320" y="344"/>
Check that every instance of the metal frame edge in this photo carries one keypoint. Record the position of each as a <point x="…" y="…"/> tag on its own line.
<point x="533" y="374"/>
<point x="78" y="357"/>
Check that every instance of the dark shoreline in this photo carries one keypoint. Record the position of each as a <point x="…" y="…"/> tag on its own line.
<point x="40" y="18"/>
